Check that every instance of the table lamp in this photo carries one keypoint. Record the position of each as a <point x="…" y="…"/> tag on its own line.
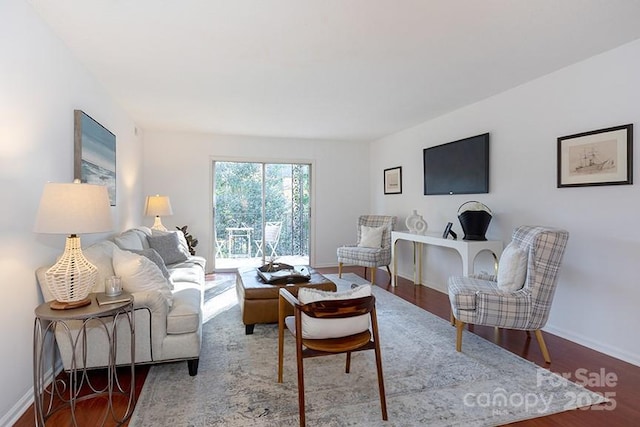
<point x="72" y="209"/>
<point x="158" y="206"/>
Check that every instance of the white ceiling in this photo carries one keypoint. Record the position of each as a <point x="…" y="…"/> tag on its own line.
<point x="332" y="69"/>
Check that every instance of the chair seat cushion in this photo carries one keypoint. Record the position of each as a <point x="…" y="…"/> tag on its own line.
<point x="368" y="257"/>
<point x="184" y="317"/>
<point x="313" y="328"/>
<point x="463" y="291"/>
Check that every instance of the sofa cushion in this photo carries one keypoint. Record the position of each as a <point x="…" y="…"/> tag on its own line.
<point x="138" y="273"/>
<point x="169" y="247"/>
<point x="185" y="315"/>
<point x="145" y="233"/>
<point x="193" y="261"/>
<point x="191" y="275"/>
<point x="129" y="240"/>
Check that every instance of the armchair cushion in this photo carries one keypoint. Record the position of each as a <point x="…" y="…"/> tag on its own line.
<point x="370" y="237"/>
<point x="313" y="328"/>
<point x="512" y="268"/>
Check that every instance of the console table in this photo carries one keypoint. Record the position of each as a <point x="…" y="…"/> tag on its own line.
<point x="66" y="392"/>
<point x="468" y="250"/>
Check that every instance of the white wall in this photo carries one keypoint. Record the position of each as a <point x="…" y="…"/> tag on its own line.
<point x="179" y="165"/>
<point x="598" y="292"/>
<point x="40" y="86"/>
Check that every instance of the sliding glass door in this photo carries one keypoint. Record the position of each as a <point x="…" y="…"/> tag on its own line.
<point x="261" y="213"/>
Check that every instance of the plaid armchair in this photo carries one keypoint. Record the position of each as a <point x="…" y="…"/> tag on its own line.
<point x="478" y="300"/>
<point x="366" y="256"/>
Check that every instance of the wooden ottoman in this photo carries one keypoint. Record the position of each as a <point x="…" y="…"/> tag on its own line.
<point x="259" y="300"/>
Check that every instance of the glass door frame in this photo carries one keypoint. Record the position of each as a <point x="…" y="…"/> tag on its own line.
<point x="263" y="161"/>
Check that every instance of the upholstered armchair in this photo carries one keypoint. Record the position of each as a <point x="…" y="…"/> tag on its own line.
<point x="520" y="296"/>
<point x="373" y="247"/>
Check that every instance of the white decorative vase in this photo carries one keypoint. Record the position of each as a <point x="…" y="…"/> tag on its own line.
<point x="415" y="223"/>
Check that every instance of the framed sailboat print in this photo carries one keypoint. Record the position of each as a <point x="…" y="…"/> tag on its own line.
<point x="598" y="157"/>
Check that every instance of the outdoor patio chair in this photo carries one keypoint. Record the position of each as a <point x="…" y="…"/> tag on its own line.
<point x="271" y="238"/>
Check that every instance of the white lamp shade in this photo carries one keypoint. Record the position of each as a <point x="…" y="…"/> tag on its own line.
<point x="158" y="206"/>
<point x="73" y="208"/>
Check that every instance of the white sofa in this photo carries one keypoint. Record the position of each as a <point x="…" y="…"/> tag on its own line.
<point x="168" y="311"/>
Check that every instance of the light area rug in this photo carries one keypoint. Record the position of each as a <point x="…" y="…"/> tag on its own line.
<point x="427" y="382"/>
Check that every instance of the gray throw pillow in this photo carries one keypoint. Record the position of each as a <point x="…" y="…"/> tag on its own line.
<point x="154" y="256"/>
<point x="169" y="248"/>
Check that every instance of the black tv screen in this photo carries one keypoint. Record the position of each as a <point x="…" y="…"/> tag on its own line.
<point x="459" y="167"/>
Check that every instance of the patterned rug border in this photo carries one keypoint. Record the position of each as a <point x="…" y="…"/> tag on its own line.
<point x="427" y="382"/>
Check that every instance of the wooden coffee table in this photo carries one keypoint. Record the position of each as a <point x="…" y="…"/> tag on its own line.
<point x="259" y="301"/>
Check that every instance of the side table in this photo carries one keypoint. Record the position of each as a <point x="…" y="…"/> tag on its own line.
<point x="66" y="392"/>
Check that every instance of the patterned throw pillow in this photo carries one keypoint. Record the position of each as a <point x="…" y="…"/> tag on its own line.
<point x="169" y="247"/>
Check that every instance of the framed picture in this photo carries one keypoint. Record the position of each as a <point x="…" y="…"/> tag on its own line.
<point x="598" y="157"/>
<point x="448" y="231"/>
<point x="393" y="180"/>
<point x="94" y="153"/>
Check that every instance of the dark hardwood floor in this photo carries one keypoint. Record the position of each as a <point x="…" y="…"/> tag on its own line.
<point x="567" y="358"/>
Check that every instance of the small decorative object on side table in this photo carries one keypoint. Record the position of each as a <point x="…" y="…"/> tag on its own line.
<point x="65" y="393"/>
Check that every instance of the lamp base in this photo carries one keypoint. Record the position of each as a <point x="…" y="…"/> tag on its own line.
<point x="67" y="305"/>
<point x="157" y="225"/>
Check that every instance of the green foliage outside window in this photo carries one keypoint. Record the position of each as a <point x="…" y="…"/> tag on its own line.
<point x="238" y="193"/>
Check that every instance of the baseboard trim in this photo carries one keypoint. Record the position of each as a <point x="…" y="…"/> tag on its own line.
<point x="612" y="351"/>
<point x="25" y="402"/>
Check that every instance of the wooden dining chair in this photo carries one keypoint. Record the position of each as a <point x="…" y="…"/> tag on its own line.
<point x="310" y="344"/>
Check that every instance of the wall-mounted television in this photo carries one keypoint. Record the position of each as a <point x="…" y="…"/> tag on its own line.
<point x="458" y="167"/>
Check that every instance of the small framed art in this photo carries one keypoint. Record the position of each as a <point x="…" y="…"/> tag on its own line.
<point x="598" y="157"/>
<point x="393" y="180"/>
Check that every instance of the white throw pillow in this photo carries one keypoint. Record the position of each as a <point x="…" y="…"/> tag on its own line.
<point x="313" y="328"/>
<point x="512" y="268"/>
<point x="139" y="274"/>
<point x="371" y="237"/>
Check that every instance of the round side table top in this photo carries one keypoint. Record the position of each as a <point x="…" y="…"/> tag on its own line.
<point x="44" y="311"/>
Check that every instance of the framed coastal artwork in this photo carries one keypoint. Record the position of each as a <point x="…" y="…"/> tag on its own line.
<point x="598" y="157"/>
<point x="94" y="153"/>
<point x="393" y="180"/>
